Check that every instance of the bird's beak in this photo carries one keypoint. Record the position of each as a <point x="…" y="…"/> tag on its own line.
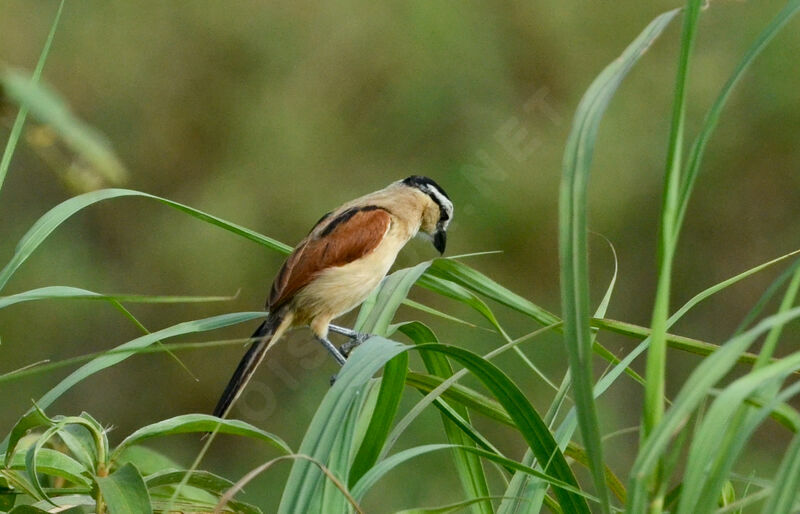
<point x="440" y="240"/>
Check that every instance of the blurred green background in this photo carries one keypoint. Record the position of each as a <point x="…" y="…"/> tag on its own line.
<point x="269" y="114"/>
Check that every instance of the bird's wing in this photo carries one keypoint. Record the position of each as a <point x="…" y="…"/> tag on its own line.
<point x="348" y="236"/>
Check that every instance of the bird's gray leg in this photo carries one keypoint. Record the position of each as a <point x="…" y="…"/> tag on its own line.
<point x="356" y="338"/>
<point x="332" y="349"/>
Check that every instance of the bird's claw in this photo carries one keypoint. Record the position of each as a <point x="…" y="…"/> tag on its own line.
<point x="355" y="341"/>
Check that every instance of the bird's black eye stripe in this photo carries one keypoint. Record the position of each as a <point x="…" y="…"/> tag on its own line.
<point x="345" y="216"/>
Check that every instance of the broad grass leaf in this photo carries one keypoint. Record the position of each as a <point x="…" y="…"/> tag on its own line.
<point x="55" y="463"/>
<point x="201" y="479"/>
<point x="125" y="491"/>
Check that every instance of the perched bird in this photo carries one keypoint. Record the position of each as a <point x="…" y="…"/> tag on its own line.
<point x="339" y="263"/>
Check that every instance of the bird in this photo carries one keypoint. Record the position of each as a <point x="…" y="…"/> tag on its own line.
<point x="338" y="264"/>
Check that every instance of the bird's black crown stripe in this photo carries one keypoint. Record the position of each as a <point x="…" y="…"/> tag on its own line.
<point x="345" y="216"/>
<point x="420" y="182"/>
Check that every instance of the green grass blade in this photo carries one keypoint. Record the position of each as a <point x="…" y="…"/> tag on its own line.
<point x="389" y="395"/>
<point x="300" y="492"/>
<point x="523" y="494"/>
<point x="390" y="463"/>
<point x="786" y="492"/>
<point x="200" y="424"/>
<point x="200" y="479"/>
<point x="771" y="341"/>
<point x="465" y="276"/>
<point x="468" y="465"/>
<point x="765" y="298"/>
<point x="330" y="496"/>
<point x="55" y="463"/>
<point x="50" y="109"/>
<point x="125" y="491"/>
<point x="525" y="417"/>
<point x="375" y="317"/>
<point x="75" y="293"/>
<point x="712" y="117"/>
<point x="656" y="355"/>
<point x="459" y="293"/>
<point x="45" y="225"/>
<point x="128" y="349"/>
<point x="724" y="432"/>
<point x="643" y="333"/>
<point x="693" y="392"/>
<point x="456" y="280"/>
<point x="19" y="122"/>
<point x="460" y="395"/>
<point x="435" y="312"/>
<point x="573" y="240"/>
<point x="686" y="344"/>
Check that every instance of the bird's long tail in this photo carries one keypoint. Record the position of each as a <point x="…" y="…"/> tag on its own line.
<point x="266" y="334"/>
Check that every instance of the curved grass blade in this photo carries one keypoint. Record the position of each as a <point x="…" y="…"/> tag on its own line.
<point x="74" y="293"/>
<point x="435" y="312"/>
<point x="528" y="422"/>
<point x="45" y="225"/>
<point x="433" y="396"/>
<point x="199" y="423"/>
<point x="19" y="122"/>
<point x="453" y="507"/>
<point x="390" y="463"/>
<point x="201" y="479"/>
<point x="460" y="395"/>
<point x="460" y="273"/>
<point x="573" y="239"/>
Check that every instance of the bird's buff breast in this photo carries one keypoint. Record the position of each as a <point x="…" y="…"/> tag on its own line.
<point x="339" y="289"/>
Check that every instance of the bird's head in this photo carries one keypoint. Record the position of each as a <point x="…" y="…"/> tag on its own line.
<point x="438" y="209"/>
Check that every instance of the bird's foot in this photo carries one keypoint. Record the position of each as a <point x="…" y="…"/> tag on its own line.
<point x="349" y="346"/>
